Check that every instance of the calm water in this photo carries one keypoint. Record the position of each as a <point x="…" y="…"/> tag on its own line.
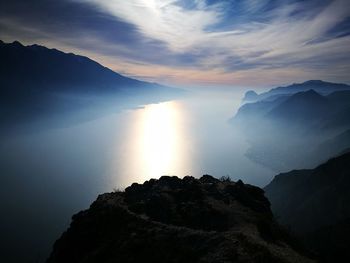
<point x="50" y="175"/>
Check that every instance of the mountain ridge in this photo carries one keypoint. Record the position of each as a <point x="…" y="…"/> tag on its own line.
<point x="319" y="86"/>
<point x="40" y="65"/>
<point x="41" y="83"/>
<point x="292" y="128"/>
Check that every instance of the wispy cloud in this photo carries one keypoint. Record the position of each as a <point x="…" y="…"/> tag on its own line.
<point x="292" y="34"/>
<point x="230" y="42"/>
<point x="180" y="28"/>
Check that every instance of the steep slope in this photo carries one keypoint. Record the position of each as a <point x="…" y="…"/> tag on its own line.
<point x="314" y="203"/>
<point x="39" y="69"/>
<point x="178" y="220"/>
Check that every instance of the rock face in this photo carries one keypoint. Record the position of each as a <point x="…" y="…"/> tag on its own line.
<point x="314" y="203"/>
<point x="178" y="220"/>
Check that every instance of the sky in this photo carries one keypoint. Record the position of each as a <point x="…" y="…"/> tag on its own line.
<point x="193" y="43"/>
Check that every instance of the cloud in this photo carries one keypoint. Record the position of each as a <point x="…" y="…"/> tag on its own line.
<point x="164" y="20"/>
<point x="225" y="40"/>
<point x="186" y="30"/>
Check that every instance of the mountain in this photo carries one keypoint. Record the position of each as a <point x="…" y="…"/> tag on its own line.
<point x="319" y="86"/>
<point x="292" y="128"/>
<point x="178" y="220"/>
<point x="39" y="69"/>
<point x="250" y="95"/>
<point x="300" y="107"/>
<point x="314" y="203"/>
<point x="36" y="81"/>
<point x="251" y="112"/>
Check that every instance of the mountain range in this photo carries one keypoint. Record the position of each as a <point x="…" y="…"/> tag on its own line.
<point x="319" y="86"/>
<point x="293" y="127"/>
<point x="36" y="81"/>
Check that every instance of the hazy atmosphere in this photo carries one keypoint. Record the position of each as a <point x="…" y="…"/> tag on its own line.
<point x="175" y="131"/>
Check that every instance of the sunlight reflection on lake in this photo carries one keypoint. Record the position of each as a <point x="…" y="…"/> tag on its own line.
<point x="156" y="146"/>
<point x="191" y="136"/>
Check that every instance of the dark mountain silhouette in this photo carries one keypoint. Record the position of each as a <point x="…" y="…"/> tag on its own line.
<point x="39" y="69"/>
<point x="314" y="203"/>
<point x="291" y="128"/>
<point x="300" y="107"/>
<point x="178" y="220"/>
<point x="36" y="81"/>
<point x="319" y="86"/>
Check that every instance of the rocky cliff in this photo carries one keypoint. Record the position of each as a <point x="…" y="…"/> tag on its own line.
<point x="178" y="220"/>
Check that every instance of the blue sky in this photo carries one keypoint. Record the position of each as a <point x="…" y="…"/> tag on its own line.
<point x="200" y="42"/>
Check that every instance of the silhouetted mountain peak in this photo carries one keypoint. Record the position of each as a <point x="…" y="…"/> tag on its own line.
<point x="317" y="81"/>
<point x="17" y="44"/>
<point x="302" y="106"/>
<point x="39" y="68"/>
<point x="319" y="86"/>
<point x="309" y="95"/>
<point x="250" y="95"/>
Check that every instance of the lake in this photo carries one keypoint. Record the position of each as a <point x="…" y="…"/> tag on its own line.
<point x="49" y="175"/>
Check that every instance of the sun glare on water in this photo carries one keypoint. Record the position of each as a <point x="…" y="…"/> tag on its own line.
<point x="158" y="145"/>
<point x="159" y="138"/>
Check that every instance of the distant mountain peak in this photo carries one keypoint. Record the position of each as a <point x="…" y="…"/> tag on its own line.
<point x="250" y="95"/>
<point x="309" y="96"/>
<point x="319" y="86"/>
<point x="314" y="81"/>
<point x="311" y="93"/>
<point x="17" y="43"/>
<point x="43" y="69"/>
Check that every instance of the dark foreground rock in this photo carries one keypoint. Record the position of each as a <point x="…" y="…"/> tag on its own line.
<point x="178" y="220"/>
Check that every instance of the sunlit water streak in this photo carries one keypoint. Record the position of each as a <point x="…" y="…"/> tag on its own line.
<point x="191" y="136"/>
<point x="156" y="145"/>
<point x="160" y="138"/>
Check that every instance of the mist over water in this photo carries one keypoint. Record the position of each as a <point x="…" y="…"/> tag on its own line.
<point x="49" y="175"/>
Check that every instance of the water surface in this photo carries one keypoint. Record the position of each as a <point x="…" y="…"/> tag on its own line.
<point x="49" y="175"/>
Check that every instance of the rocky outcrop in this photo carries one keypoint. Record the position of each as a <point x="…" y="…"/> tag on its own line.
<point x="178" y="220"/>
